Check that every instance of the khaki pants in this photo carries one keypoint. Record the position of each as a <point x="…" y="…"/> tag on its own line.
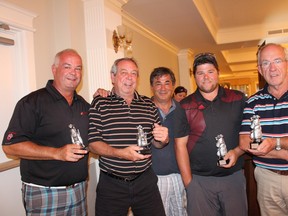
<point x="272" y="192"/>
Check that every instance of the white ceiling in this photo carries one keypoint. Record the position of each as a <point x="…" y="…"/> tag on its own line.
<point x="232" y="29"/>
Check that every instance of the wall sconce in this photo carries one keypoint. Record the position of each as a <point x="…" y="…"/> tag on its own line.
<point x="123" y="39"/>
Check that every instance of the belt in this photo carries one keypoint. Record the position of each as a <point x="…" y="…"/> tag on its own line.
<point x="279" y="172"/>
<point x="52" y="187"/>
<point x="125" y="179"/>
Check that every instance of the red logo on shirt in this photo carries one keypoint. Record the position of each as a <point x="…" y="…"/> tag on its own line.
<point x="10" y="136"/>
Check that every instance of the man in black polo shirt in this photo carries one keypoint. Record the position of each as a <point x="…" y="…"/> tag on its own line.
<point x="126" y="177"/>
<point x="211" y="111"/>
<point x="48" y="131"/>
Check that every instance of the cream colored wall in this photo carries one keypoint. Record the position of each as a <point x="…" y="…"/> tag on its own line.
<point x="59" y="25"/>
<point x="150" y="55"/>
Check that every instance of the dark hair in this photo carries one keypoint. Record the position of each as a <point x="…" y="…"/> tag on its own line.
<point x="203" y="58"/>
<point x="114" y="67"/>
<point x="180" y="89"/>
<point x="160" y="71"/>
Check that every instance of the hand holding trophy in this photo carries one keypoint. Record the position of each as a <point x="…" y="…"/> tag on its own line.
<point x="142" y="141"/>
<point x="221" y="151"/>
<point x="256" y="133"/>
<point x="75" y="136"/>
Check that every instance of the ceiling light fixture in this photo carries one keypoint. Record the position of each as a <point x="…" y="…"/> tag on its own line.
<point x="123" y="39"/>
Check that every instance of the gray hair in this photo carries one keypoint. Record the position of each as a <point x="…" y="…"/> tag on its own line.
<point x="58" y="55"/>
<point x="114" y="67"/>
<point x="261" y="48"/>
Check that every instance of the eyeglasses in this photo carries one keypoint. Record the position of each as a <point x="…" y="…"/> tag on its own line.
<point x="266" y="64"/>
<point x="206" y="55"/>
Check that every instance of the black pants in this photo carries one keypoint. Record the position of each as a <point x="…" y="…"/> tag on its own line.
<point x="114" y="197"/>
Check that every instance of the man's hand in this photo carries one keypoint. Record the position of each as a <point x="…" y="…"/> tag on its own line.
<point x="160" y="134"/>
<point x="233" y="156"/>
<point x="70" y="152"/>
<point x="101" y="92"/>
<point x="131" y="153"/>
<point x="266" y="146"/>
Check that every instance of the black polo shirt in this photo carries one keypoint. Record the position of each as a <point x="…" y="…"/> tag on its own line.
<point x="43" y="117"/>
<point x="207" y="119"/>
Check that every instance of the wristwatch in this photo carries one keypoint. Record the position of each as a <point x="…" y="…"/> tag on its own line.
<point x="278" y="144"/>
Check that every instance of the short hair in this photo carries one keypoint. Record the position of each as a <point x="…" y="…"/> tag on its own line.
<point x="180" y="89"/>
<point x="114" y="67"/>
<point x="204" y="58"/>
<point x="160" y="71"/>
<point x="261" y="48"/>
<point x="57" y="56"/>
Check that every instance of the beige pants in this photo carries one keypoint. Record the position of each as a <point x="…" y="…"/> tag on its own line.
<point x="272" y="192"/>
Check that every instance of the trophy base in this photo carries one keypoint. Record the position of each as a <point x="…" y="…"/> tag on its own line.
<point x="222" y="162"/>
<point x="254" y="145"/>
<point x="146" y="151"/>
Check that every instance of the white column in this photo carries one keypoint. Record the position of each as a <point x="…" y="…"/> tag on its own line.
<point x="185" y="59"/>
<point x="96" y="49"/>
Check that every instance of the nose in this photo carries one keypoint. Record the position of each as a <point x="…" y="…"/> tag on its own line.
<point x="206" y="76"/>
<point x="272" y="65"/>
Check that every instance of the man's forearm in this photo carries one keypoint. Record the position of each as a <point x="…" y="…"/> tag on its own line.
<point x="103" y="149"/>
<point x="183" y="160"/>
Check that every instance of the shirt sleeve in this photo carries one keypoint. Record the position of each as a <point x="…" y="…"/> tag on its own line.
<point x="181" y="125"/>
<point x="22" y="124"/>
<point x="95" y="123"/>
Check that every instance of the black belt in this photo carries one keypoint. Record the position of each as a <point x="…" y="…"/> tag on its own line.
<point x="125" y="179"/>
<point x="280" y="172"/>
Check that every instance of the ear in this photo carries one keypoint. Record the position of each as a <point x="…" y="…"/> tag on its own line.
<point x="260" y="70"/>
<point x="54" y="69"/>
<point x="112" y="78"/>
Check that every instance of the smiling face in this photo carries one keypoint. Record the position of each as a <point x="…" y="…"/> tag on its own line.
<point x="207" y="77"/>
<point x="125" y="79"/>
<point x="67" y="71"/>
<point x="273" y="66"/>
<point x="162" y="88"/>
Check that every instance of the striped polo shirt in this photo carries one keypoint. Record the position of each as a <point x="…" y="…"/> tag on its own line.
<point x="273" y="119"/>
<point x="112" y="121"/>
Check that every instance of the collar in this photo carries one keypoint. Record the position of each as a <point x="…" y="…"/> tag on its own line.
<point x="172" y="108"/>
<point x="265" y="91"/>
<point x="113" y="95"/>
<point x="56" y="94"/>
<point x="199" y="96"/>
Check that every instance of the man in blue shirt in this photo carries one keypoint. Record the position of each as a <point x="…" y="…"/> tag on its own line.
<point x="162" y="82"/>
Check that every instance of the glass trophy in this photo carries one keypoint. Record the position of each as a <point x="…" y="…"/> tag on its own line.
<point x="256" y="132"/>
<point x="142" y="141"/>
<point x="221" y="150"/>
<point x="76" y="137"/>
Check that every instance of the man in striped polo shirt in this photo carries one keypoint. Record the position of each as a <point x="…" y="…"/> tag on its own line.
<point x="270" y="157"/>
<point x="126" y="177"/>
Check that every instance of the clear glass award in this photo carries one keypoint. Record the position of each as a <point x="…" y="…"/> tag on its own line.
<point x="221" y="150"/>
<point x="142" y="141"/>
<point x="75" y="136"/>
<point x="256" y="132"/>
